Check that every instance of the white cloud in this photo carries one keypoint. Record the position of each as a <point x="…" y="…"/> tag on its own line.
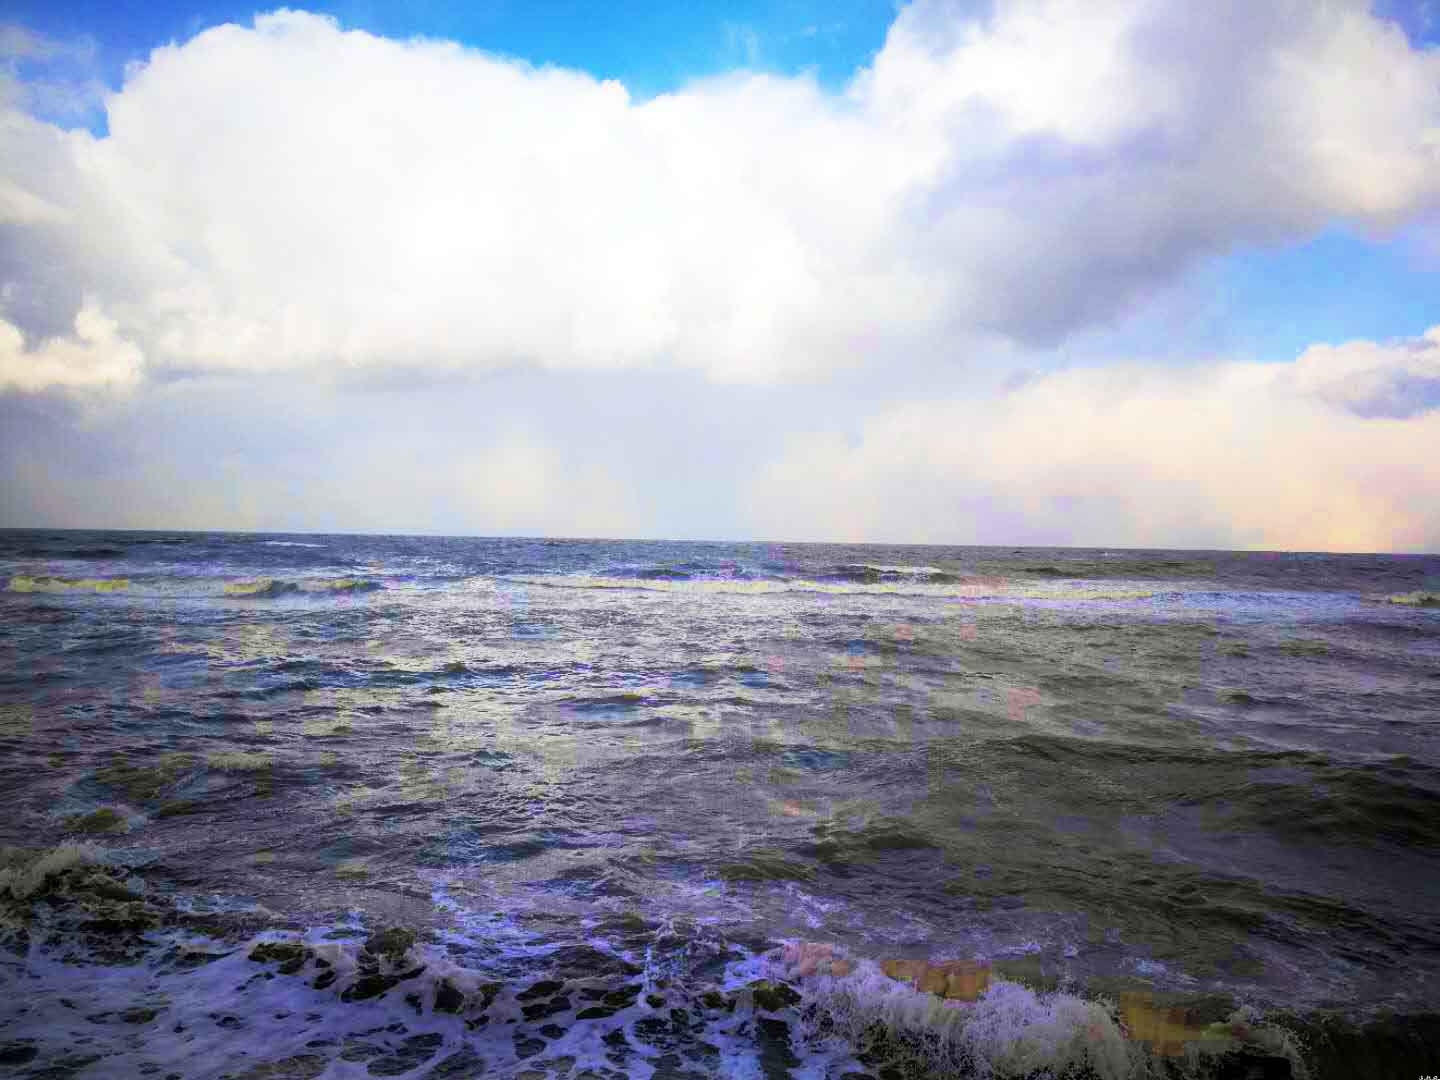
<point x="18" y="43"/>
<point x="294" y="197"/>
<point x="21" y="207"/>
<point x="1225" y="455"/>
<point x="1077" y="154"/>
<point x="1399" y="379"/>
<point x="95" y="357"/>
<point x="1235" y="455"/>
<point x="59" y="77"/>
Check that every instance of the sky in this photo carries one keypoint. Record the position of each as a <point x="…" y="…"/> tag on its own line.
<point x="1074" y="272"/>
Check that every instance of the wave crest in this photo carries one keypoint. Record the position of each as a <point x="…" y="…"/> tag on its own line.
<point x="1415" y="599"/>
<point x="24" y="583"/>
<point x="261" y="588"/>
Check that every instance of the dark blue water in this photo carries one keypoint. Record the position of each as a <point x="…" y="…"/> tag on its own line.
<point x="1111" y="772"/>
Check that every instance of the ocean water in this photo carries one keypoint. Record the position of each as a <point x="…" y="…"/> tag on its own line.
<point x="594" y="789"/>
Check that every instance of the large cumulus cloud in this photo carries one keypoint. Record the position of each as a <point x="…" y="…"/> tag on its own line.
<point x="292" y="196"/>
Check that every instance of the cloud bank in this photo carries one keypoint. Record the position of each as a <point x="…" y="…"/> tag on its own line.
<point x="295" y="197"/>
<point x="1228" y="455"/>
<point x="1334" y="452"/>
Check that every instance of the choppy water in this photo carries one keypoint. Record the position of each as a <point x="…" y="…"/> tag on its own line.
<point x="1110" y="771"/>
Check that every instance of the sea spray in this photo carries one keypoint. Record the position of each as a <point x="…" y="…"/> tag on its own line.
<point x="1007" y="1030"/>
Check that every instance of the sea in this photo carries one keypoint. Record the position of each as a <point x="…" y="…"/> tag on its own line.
<point x="350" y="805"/>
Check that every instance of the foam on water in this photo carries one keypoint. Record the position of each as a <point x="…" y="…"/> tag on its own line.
<point x="979" y="589"/>
<point x="1009" y="1029"/>
<point x="350" y="1000"/>
<point x="195" y="586"/>
<point x="603" y="756"/>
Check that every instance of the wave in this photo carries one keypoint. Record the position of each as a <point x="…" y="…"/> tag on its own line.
<point x="958" y="1019"/>
<point x="731" y="570"/>
<point x="871" y="573"/>
<point x="195" y="587"/>
<point x="709" y="570"/>
<point x="954" y="588"/>
<point x="263" y="587"/>
<point x="1415" y="599"/>
<point x="66" y="547"/>
<point x="23" y="583"/>
<point x="722" y="566"/>
<point x="24" y="873"/>
<point x="334" y="585"/>
<point x="1114" y="565"/>
<point x="660" y="995"/>
<point x="937" y="585"/>
<point x="288" y="543"/>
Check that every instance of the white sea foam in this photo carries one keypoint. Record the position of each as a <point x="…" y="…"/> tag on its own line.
<point x="202" y="1008"/>
<point x="240" y="761"/>
<point x="1010" y="1030"/>
<point x="196" y="587"/>
<point x="1008" y="589"/>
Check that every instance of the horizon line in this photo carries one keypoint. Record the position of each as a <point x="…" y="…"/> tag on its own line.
<point x="692" y="540"/>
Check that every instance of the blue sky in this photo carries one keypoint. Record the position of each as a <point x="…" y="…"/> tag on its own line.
<point x="649" y="45"/>
<point x="752" y="309"/>
<point x="1335" y="287"/>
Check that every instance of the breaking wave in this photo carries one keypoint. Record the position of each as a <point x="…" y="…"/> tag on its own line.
<point x="23" y="583"/>
<point x="866" y="573"/>
<point x="196" y="984"/>
<point x="1415" y="599"/>
<point x="931" y="586"/>
<point x="270" y="587"/>
<point x="181" y="587"/>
